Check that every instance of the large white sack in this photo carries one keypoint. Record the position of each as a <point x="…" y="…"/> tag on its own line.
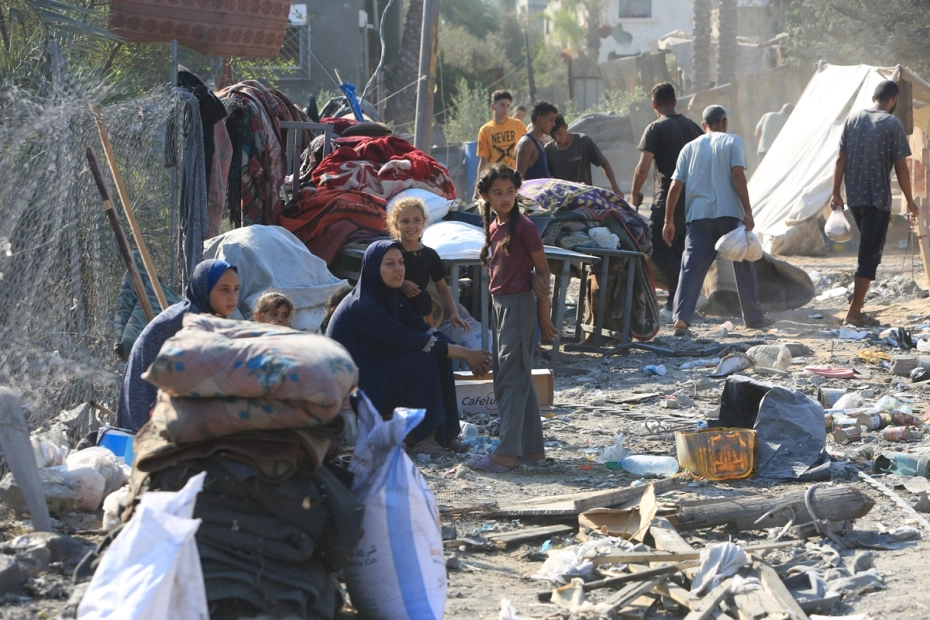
<point x="837" y="227"/>
<point x="152" y="570"/>
<point x="271" y="258"/>
<point x="436" y="206"/>
<point x="454" y="240"/>
<point x="397" y="571"/>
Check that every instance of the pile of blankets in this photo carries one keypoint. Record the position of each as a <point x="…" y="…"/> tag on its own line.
<point x="574" y="208"/>
<point x="352" y="186"/>
<point x="256" y="407"/>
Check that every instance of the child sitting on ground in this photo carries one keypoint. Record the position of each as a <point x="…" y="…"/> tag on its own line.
<point x="405" y="222"/>
<point x="273" y="308"/>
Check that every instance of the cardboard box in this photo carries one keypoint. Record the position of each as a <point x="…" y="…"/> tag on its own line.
<point x="476" y="394"/>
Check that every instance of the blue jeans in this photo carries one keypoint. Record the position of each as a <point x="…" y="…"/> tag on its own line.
<point x="699" y="255"/>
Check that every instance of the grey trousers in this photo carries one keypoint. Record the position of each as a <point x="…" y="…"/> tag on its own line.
<point x="699" y="255"/>
<point x="514" y="340"/>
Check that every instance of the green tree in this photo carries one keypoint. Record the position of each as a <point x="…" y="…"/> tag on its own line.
<point x="874" y="32"/>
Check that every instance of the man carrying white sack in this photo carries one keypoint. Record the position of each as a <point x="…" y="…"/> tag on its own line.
<point x="712" y="171"/>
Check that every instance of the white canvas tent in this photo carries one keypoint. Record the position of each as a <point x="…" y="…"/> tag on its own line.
<point x="793" y="184"/>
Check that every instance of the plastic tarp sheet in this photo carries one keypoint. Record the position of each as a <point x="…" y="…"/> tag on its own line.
<point x="271" y="258"/>
<point x="790" y="438"/>
<point x="793" y="184"/>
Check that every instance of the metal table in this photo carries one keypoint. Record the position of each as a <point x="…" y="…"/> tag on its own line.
<point x="598" y="330"/>
<point x="562" y="278"/>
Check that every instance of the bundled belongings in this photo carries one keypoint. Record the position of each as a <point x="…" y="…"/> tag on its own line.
<point x="271" y="258"/>
<point x="381" y="166"/>
<point x="576" y="209"/>
<point x="257" y="408"/>
<point x="326" y="220"/>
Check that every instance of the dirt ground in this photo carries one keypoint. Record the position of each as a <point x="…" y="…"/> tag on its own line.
<point x="574" y="434"/>
<point x="585" y="419"/>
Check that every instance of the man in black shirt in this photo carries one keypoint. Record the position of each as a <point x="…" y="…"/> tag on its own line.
<point x="571" y="155"/>
<point x="662" y="140"/>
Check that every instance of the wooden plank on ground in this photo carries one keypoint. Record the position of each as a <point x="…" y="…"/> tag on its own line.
<point x="638" y="609"/>
<point x="613" y="603"/>
<point x="772" y="584"/>
<point x="576" y="503"/>
<point x="529" y="533"/>
<point x="707" y="604"/>
<point x="758" y="605"/>
<point x="628" y="557"/>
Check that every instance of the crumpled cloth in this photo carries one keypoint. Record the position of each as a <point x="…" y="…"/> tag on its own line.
<point x="718" y="561"/>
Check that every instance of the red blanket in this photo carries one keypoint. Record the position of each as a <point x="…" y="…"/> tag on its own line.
<point x="397" y="165"/>
<point x="325" y="219"/>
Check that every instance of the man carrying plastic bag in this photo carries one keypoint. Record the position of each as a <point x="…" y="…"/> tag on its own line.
<point x="711" y="171"/>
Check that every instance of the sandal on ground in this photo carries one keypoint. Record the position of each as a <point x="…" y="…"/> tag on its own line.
<point x="766" y="321"/>
<point x="682" y="331"/>
<point x="456" y="445"/>
<point x="486" y="464"/>
<point x="428" y="446"/>
<point x="865" y="320"/>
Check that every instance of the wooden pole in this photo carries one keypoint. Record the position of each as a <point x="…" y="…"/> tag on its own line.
<point x="529" y="67"/>
<point x="120" y="236"/>
<point x="127" y="206"/>
<point x="922" y="228"/>
<point x="429" y="52"/>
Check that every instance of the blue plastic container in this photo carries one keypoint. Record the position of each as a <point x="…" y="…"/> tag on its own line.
<point x="119" y="443"/>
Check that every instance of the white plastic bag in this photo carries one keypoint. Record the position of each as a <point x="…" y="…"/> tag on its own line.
<point x="152" y="570"/>
<point x="113" y="506"/>
<point x="397" y="571"/>
<point x="47" y="453"/>
<point x="739" y="244"/>
<point x="104" y="462"/>
<point x="837" y="227"/>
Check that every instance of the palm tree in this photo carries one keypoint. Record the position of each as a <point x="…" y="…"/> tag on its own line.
<point x="727" y="47"/>
<point x="701" y="52"/>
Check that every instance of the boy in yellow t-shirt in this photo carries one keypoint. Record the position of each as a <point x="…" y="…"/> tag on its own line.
<point x="497" y="139"/>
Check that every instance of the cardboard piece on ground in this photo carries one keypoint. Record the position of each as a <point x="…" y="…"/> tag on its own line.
<point x="575" y="503"/>
<point x="475" y="395"/>
<point x="630" y="523"/>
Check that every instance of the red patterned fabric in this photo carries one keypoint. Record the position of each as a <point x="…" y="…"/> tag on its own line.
<point x="251" y="28"/>
<point x="382" y="166"/>
<point x="325" y="220"/>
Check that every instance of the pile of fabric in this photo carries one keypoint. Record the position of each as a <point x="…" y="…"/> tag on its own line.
<point x="258" y="154"/>
<point x="256" y="407"/>
<point x="574" y="210"/>
<point x="351" y="186"/>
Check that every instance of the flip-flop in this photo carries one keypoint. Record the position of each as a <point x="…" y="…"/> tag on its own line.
<point x="486" y="464"/>
<point x="457" y="446"/>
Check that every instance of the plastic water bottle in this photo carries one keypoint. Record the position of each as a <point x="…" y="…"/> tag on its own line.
<point x="649" y="465"/>
<point x="655" y="370"/>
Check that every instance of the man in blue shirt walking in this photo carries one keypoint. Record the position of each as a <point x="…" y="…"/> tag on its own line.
<point x="711" y="169"/>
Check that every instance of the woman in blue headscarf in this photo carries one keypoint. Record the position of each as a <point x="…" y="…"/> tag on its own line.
<point x="402" y="362"/>
<point x="213" y="288"/>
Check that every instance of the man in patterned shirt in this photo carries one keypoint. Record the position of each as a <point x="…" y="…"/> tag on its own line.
<point x="873" y="143"/>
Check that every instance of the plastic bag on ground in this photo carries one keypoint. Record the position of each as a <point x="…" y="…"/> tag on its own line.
<point x="47" y="453"/>
<point x="837" y="227"/>
<point x="790" y="438"/>
<point x="113" y="505"/>
<point x="718" y="561"/>
<point x="152" y="569"/>
<point x="573" y="561"/>
<point x="614" y="452"/>
<point x="104" y="462"/>
<point x="397" y="571"/>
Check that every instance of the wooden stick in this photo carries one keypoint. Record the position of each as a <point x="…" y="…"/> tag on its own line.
<point x="897" y="499"/>
<point x="127" y="206"/>
<point x="610" y="582"/>
<point x="120" y="236"/>
<point x="628" y="557"/>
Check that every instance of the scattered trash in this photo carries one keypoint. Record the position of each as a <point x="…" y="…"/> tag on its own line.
<point x="701" y="363"/>
<point x="828" y="372"/>
<point x="655" y="370"/>
<point x="733" y="363"/>
<point x="851" y="333"/>
<point x="649" y="465"/>
<point x="872" y="356"/>
<point x="775" y="356"/>
<point x="833" y="293"/>
<point x="717" y="454"/>
<point x="614" y="452"/>
<point x="718" y="561"/>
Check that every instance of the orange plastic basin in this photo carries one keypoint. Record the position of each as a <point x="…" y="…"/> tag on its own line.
<point x="717" y="453"/>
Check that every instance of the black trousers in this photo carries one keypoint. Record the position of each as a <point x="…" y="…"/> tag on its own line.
<point x="668" y="259"/>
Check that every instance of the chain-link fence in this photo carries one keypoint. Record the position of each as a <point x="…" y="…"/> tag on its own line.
<point x="60" y="269"/>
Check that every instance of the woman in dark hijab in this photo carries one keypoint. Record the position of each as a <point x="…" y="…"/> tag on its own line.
<point x="213" y="289"/>
<point x="402" y="362"/>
